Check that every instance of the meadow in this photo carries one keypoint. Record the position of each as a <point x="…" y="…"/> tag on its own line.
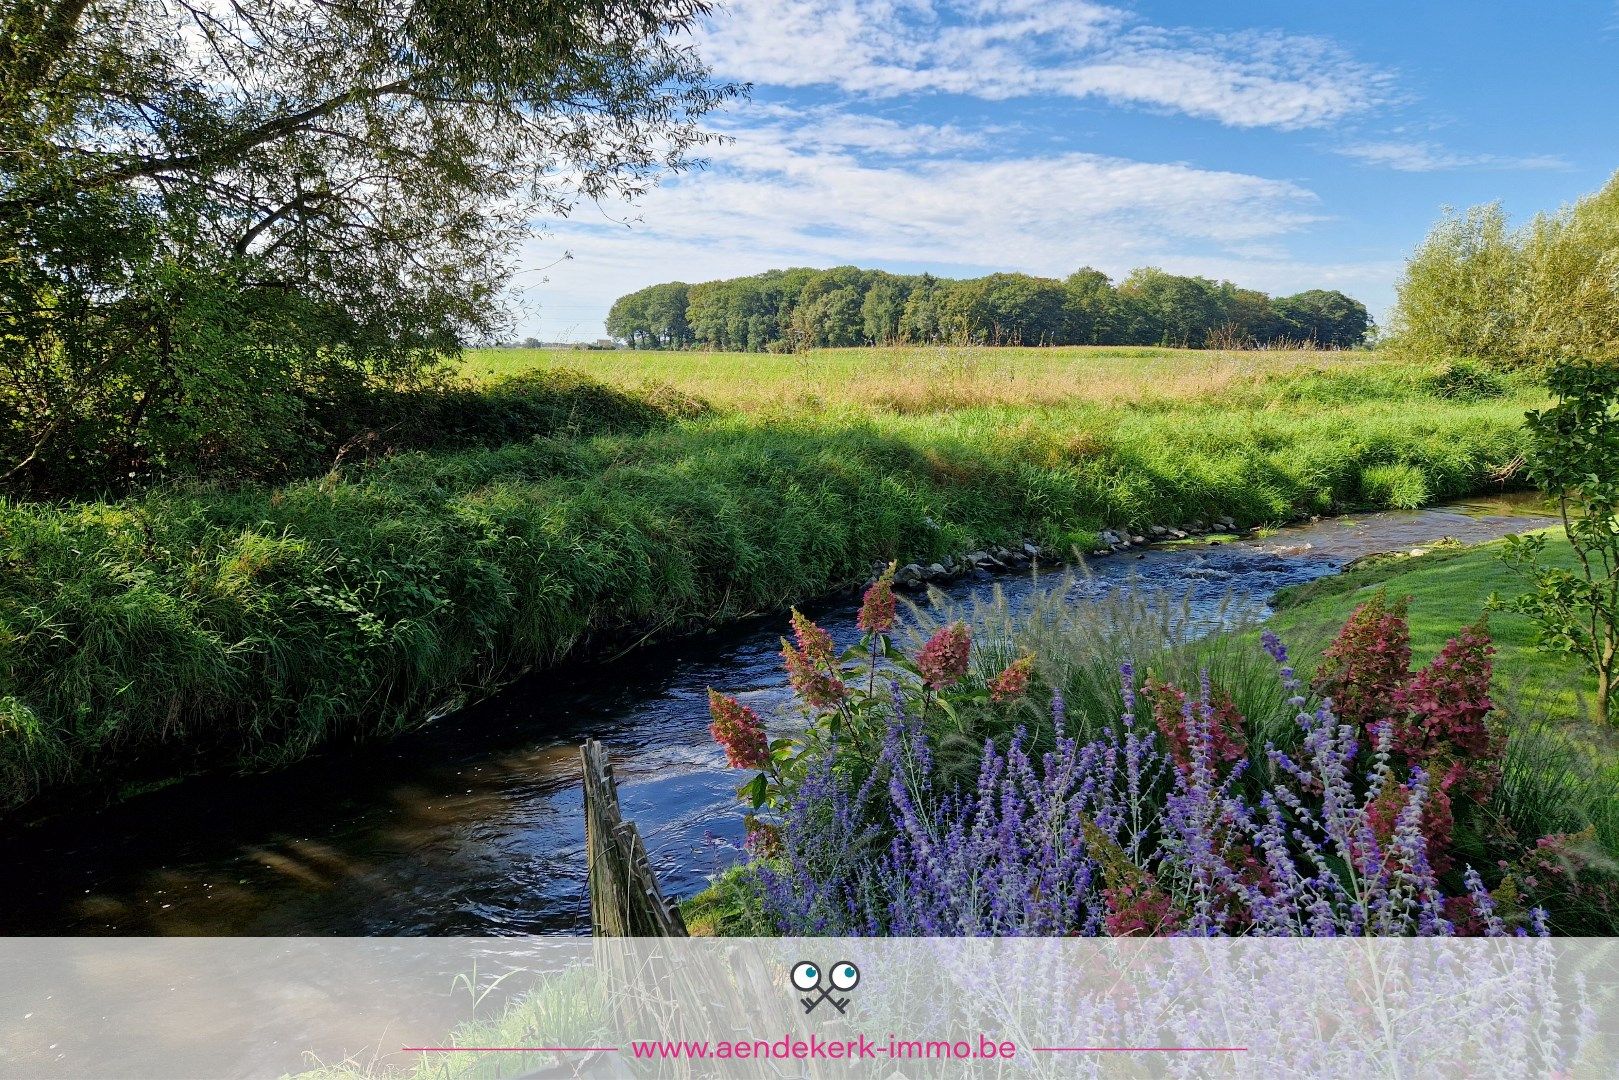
<point x="191" y="627"/>
<point x="908" y="379"/>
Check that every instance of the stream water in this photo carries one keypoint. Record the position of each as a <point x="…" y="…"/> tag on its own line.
<point x="474" y="826"/>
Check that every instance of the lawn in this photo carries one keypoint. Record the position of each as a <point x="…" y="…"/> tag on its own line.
<point x="1448" y="589"/>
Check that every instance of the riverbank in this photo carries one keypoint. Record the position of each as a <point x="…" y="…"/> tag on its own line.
<point x="191" y="630"/>
<point x="473" y="827"/>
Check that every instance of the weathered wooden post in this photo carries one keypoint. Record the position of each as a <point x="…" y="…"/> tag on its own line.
<point x="625" y="900"/>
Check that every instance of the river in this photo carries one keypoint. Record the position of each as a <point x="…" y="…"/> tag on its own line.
<point x="474" y="827"/>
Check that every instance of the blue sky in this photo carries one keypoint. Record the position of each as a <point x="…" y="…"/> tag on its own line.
<point x="1284" y="146"/>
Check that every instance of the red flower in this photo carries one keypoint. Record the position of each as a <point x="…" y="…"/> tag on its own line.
<point x="812" y="665"/>
<point x="1013" y="680"/>
<point x="877" y="607"/>
<point x="1447" y="704"/>
<point x="740" y="731"/>
<point x="1368" y="662"/>
<point x="1139" y="908"/>
<point x="943" y="660"/>
<point x="1438" y="819"/>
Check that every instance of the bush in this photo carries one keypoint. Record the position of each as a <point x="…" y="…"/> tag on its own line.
<point x="1466" y="380"/>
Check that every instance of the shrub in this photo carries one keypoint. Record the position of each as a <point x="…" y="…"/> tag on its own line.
<point x="1574" y="454"/>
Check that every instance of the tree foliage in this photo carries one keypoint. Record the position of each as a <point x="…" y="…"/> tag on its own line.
<point x="1574" y="454"/>
<point x="218" y="216"/>
<point x="1547" y="292"/>
<point x="846" y="306"/>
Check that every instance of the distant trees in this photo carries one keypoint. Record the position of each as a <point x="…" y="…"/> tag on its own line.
<point x="1548" y="291"/>
<point x="845" y="306"/>
<point x="653" y="318"/>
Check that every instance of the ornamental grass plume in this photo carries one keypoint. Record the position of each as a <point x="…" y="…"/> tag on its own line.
<point x="1013" y="681"/>
<point x="943" y="660"/>
<point x="739" y="731"/>
<point x="878" y="607"/>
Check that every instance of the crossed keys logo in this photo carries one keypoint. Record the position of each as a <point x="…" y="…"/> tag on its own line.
<point x="807" y="979"/>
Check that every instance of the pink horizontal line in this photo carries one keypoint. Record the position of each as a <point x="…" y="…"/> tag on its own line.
<point x="509" y="1049"/>
<point x="1140" y="1049"/>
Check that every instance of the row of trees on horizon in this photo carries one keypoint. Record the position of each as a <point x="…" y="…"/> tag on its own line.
<point x="780" y="310"/>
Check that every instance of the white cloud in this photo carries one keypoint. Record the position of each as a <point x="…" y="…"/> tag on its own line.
<point x="1023" y="48"/>
<point x="1430" y="157"/>
<point x="791" y="193"/>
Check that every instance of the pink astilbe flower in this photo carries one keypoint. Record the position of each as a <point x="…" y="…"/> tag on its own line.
<point x="1013" y="680"/>
<point x="943" y="660"/>
<point x="877" y="608"/>
<point x="739" y="731"/>
<point x="1368" y="661"/>
<point x="812" y="665"/>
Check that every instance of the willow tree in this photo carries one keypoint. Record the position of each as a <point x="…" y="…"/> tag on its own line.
<point x="217" y="215"/>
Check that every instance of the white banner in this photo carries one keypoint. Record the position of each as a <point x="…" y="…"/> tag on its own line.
<point x="807" y="1007"/>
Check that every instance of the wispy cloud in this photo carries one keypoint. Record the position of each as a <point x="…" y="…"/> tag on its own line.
<point x="1026" y="48"/>
<point x="1431" y="157"/>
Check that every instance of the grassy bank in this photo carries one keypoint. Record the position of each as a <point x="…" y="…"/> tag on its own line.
<point x="193" y="628"/>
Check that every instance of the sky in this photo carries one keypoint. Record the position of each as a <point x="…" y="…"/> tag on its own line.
<point x="1281" y="145"/>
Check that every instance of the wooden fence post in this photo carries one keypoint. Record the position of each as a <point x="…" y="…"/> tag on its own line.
<point x="625" y="900"/>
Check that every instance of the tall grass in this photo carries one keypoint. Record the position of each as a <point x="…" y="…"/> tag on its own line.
<point x="935" y="378"/>
<point x="195" y="627"/>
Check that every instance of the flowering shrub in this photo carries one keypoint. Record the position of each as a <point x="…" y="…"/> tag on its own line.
<point x="943" y="660"/>
<point x="1013" y="681"/>
<point x="1164" y="824"/>
<point x="739" y="731"/>
<point x="878" y="607"/>
<point x="812" y="669"/>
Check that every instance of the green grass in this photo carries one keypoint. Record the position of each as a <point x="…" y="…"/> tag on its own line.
<point x="197" y="628"/>
<point x="563" y="1008"/>
<point x="926" y="379"/>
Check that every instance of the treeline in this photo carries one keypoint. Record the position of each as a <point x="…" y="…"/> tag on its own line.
<point x="1547" y="291"/>
<point x="781" y="310"/>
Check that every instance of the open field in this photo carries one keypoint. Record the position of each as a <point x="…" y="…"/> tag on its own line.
<point x="196" y="627"/>
<point x="919" y="379"/>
